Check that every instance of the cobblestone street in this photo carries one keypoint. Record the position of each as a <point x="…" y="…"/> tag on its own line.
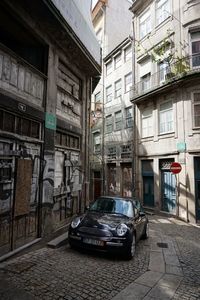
<point x="67" y="274"/>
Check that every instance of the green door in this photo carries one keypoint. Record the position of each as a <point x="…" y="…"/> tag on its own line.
<point x="168" y="187"/>
<point x="197" y="186"/>
<point x="148" y="191"/>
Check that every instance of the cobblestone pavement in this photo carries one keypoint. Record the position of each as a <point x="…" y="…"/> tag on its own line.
<point x="186" y="239"/>
<point x="67" y="274"/>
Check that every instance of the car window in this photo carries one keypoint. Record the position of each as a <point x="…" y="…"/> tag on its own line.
<point x="115" y="206"/>
<point x="138" y="205"/>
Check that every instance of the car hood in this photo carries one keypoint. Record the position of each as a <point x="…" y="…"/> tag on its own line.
<point x="103" y="220"/>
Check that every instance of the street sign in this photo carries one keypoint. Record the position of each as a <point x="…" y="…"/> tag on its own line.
<point x="175" y="168"/>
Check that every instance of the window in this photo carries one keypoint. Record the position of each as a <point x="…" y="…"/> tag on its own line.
<point x="67" y="140"/>
<point x="163" y="70"/>
<point x="147" y="123"/>
<point x="145" y="82"/>
<point x="195" y="38"/>
<point x="126" y="151"/>
<point x="117" y="61"/>
<point x="162" y="10"/>
<point x="108" y="68"/>
<point x="129" y="117"/>
<point x="97" y="97"/>
<point x="166" y="117"/>
<point x="145" y="24"/>
<point x="109" y="93"/>
<point x="196" y="107"/>
<point x="118" y="88"/>
<point x="97" y="143"/>
<point x="127" y="82"/>
<point x="127" y="53"/>
<point x="112" y="152"/>
<point x="109" y="125"/>
<point x="118" y="120"/>
<point x="15" y="124"/>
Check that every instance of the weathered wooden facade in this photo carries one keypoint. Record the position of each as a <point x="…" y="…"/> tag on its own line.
<point x="45" y="88"/>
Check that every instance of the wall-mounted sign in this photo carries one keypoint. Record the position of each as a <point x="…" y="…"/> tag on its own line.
<point x="181" y="147"/>
<point x="50" y="121"/>
<point x="22" y="107"/>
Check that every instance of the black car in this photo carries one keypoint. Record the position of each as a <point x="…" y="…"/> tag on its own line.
<point x="110" y="224"/>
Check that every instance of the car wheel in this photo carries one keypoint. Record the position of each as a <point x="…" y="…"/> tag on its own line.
<point x="131" y="249"/>
<point x="71" y="245"/>
<point x="146" y="231"/>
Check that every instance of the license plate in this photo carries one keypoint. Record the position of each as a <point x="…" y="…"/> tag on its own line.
<point x="93" y="242"/>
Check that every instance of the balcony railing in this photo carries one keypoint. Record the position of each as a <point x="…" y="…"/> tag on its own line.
<point x="181" y="68"/>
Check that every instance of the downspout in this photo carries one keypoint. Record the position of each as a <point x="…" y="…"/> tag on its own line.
<point x="104" y="185"/>
<point x="134" y="116"/>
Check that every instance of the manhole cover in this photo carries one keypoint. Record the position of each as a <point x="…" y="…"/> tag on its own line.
<point x="162" y="245"/>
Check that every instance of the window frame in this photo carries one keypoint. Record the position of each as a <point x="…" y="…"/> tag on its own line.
<point x="96" y="99"/>
<point x="97" y="144"/>
<point x="126" y="90"/>
<point x="163" y="16"/>
<point x="109" y="94"/>
<point x="117" y="60"/>
<point x="118" y="120"/>
<point x="145" y="82"/>
<point x="164" y="71"/>
<point x="128" y="53"/>
<point x="194" y="110"/>
<point x="118" y="90"/>
<point x="164" y="113"/>
<point x="108" y="66"/>
<point x="128" y="118"/>
<point x="194" y="57"/>
<point x="148" y="120"/>
<point x="145" y="22"/>
<point x="108" y="124"/>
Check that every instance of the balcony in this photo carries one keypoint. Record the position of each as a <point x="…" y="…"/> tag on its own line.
<point x="20" y="78"/>
<point x="188" y="66"/>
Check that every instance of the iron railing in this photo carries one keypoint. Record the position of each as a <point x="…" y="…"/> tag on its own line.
<point x="174" y="71"/>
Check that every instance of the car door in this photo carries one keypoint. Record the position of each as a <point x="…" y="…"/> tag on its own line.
<point x="138" y="224"/>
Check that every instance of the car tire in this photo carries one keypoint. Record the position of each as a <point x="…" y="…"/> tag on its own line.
<point x="131" y="249"/>
<point x="146" y="232"/>
<point x="71" y="245"/>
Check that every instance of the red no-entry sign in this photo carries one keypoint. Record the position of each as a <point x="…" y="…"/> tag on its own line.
<point x="175" y="168"/>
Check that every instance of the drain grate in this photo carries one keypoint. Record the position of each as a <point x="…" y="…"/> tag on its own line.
<point x="162" y="245"/>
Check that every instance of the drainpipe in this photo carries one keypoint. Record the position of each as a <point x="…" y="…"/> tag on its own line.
<point x="134" y="115"/>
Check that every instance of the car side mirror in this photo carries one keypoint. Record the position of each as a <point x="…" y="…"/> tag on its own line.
<point x="87" y="207"/>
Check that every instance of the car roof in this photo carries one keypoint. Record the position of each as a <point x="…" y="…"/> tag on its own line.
<point x="120" y="198"/>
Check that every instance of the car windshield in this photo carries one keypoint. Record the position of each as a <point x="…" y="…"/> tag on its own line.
<point x="113" y="206"/>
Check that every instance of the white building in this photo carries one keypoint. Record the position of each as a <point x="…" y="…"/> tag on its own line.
<point x="111" y="123"/>
<point x="166" y="93"/>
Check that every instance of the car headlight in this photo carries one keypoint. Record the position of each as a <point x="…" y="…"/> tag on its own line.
<point x="75" y="222"/>
<point x="121" y="229"/>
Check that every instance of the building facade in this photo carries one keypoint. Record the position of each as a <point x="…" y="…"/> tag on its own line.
<point x="111" y="110"/>
<point x="166" y="95"/>
<point x="46" y="65"/>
